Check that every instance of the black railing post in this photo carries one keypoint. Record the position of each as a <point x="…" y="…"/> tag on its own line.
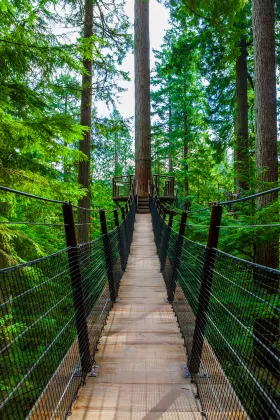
<point x="116" y="217"/>
<point x="123" y="213"/>
<point x="114" y="188"/>
<point x="108" y="256"/>
<point x="170" y="221"/>
<point x="165" y="240"/>
<point x="177" y="257"/>
<point x="125" y="236"/>
<point x="120" y="245"/>
<point x="205" y="288"/>
<point x="77" y="288"/>
<point x="126" y="208"/>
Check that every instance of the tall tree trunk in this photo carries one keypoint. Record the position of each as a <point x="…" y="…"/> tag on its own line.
<point x="143" y="172"/>
<point x="85" y="120"/>
<point x="242" y="129"/>
<point x="117" y="163"/>
<point x="170" y="160"/>
<point x="266" y="116"/>
<point x="267" y="252"/>
<point x="186" y="152"/>
<point x="65" y="166"/>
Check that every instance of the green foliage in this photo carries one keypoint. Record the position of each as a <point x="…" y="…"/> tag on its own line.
<point x="41" y="54"/>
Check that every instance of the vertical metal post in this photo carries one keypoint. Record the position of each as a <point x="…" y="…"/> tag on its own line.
<point x="130" y="183"/>
<point x="108" y="256"/>
<point x="157" y="185"/>
<point x="170" y="221"/>
<point x="116" y="217"/>
<point x="123" y="213"/>
<point x="177" y="257"/>
<point x="120" y="245"/>
<point x="205" y="288"/>
<point x="165" y="241"/>
<point x="77" y="288"/>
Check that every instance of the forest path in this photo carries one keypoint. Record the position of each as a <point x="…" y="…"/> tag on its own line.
<point x="141" y="353"/>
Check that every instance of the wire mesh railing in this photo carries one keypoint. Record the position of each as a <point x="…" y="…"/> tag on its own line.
<point x="228" y="312"/>
<point x="52" y="313"/>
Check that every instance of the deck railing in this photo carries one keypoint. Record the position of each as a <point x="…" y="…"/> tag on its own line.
<point x="228" y="313"/>
<point x="164" y="185"/>
<point x="123" y="186"/>
<point x="52" y="312"/>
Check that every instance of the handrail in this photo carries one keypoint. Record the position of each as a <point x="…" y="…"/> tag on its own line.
<point x="228" y="313"/>
<point x="250" y="197"/>
<point x="55" y="303"/>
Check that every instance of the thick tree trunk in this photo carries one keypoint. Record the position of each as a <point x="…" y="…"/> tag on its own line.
<point x="85" y="120"/>
<point x="186" y="153"/>
<point x="170" y="160"/>
<point x="242" y="142"/>
<point x="266" y="117"/>
<point x="65" y="166"/>
<point x="117" y="171"/>
<point x="143" y="172"/>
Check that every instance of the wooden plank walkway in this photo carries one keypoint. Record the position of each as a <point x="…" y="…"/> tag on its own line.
<point x="141" y="353"/>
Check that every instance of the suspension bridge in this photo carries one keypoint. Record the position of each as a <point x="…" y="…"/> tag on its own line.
<point x="140" y="324"/>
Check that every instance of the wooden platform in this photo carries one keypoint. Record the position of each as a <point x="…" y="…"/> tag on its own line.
<point x="141" y="354"/>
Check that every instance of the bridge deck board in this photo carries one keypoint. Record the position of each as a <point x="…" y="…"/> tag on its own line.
<point x="141" y="353"/>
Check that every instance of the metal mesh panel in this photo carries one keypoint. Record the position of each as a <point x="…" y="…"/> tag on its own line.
<point x="43" y="339"/>
<point x="37" y="330"/>
<point x="234" y="354"/>
<point x="243" y="332"/>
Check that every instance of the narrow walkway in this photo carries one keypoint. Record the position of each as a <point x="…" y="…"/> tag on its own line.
<point x="141" y="354"/>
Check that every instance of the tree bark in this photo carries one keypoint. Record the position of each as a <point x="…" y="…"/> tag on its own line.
<point x="65" y="166"/>
<point x="186" y="152"/>
<point x="85" y="120"/>
<point x="266" y="116"/>
<point x="117" y="171"/>
<point x="143" y="172"/>
<point x="170" y="160"/>
<point x="242" y="129"/>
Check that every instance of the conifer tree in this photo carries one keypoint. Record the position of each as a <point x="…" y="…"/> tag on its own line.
<point x="143" y="174"/>
<point x="86" y="115"/>
<point x="266" y="116"/>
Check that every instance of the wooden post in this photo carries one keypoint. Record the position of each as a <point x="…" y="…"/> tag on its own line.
<point x="77" y="288"/>
<point x="120" y="245"/>
<point x="177" y="257"/>
<point x="205" y="288"/>
<point x="108" y="256"/>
